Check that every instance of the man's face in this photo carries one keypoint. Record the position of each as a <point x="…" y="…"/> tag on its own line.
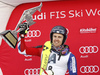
<point x="57" y="39"/>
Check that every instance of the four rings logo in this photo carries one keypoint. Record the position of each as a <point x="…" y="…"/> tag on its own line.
<point x="33" y="33"/>
<point x="34" y="71"/>
<point x="89" y="69"/>
<point x="88" y="49"/>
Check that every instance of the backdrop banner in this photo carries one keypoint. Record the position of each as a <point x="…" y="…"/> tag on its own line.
<point x="81" y="19"/>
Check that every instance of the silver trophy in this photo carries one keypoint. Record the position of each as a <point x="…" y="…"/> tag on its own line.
<point x="10" y="36"/>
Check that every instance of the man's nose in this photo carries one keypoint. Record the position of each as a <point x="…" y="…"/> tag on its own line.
<point x="56" y="38"/>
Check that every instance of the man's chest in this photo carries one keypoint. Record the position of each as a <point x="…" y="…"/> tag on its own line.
<point x="55" y="61"/>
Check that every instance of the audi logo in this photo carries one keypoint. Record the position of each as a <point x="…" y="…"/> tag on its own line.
<point x="31" y="71"/>
<point x="88" y="49"/>
<point x="33" y="33"/>
<point x="89" y="69"/>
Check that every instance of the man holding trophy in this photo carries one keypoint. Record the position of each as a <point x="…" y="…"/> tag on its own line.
<point x="56" y="57"/>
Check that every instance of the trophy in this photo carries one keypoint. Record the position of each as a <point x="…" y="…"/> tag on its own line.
<point x="10" y="36"/>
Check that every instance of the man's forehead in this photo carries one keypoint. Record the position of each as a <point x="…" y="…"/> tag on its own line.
<point x="57" y="34"/>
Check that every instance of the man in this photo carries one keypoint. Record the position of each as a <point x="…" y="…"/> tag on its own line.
<point x="55" y="55"/>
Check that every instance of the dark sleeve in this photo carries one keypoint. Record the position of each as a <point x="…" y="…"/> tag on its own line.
<point x="29" y="50"/>
<point x="72" y="65"/>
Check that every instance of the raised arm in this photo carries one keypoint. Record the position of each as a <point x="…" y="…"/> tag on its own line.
<point x="23" y="49"/>
<point x="29" y="50"/>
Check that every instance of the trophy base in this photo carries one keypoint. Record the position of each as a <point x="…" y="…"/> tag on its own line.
<point x="10" y="38"/>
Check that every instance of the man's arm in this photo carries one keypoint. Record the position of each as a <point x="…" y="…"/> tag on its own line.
<point x="23" y="49"/>
<point x="72" y="65"/>
<point x="29" y="50"/>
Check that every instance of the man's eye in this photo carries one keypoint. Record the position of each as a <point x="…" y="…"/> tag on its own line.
<point x="54" y="36"/>
<point x="59" y="36"/>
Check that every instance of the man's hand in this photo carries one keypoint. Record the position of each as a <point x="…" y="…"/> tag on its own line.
<point x="25" y="28"/>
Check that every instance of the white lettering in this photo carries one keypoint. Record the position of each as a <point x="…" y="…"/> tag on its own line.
<point x="62" y="14"/>
<point x="75" y="13"/>
<point x="91" y="12"/>
<point x="57" y="14"/>
<point x="71" y="13"/>
<point x="88" y="30"/>
<point x="98" y="12"/>
<point x="73" y="65"/>
<point x="51" y="14"/>
<point x="41" y="16"/>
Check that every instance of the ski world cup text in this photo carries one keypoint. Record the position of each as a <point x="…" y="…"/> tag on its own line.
<point x="67" y="14"/>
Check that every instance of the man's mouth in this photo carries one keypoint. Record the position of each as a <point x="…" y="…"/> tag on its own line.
<point x="56" y="42"/>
